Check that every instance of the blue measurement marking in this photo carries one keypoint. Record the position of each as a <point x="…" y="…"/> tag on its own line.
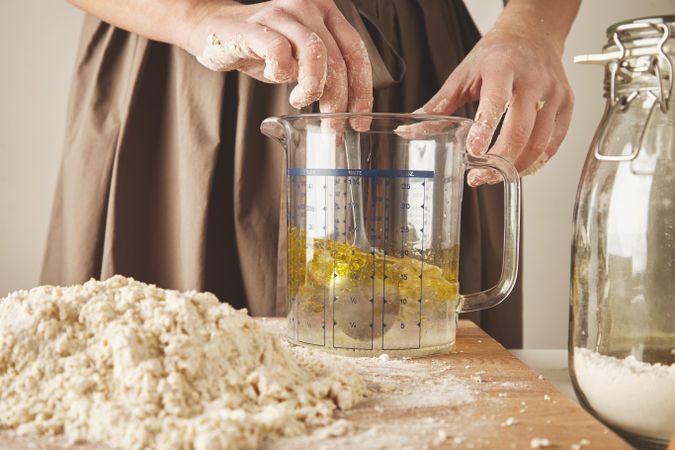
<point x="385" y="173"/>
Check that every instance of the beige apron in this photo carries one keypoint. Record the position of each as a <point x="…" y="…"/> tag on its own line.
<point x="167" y="178"/>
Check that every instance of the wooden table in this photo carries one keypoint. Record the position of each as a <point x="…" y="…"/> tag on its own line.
<point x="535" y="408"/>
<point x="506" y="391"/>
<point x="512" y="405"/>
<point x="549" y="413"/>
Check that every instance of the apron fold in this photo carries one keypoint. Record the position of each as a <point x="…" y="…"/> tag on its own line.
<point x="166" y="177"/>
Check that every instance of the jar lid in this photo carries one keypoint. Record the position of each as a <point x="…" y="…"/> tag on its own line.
<point x="668" y="20"/>
<point x="645" y="36"/>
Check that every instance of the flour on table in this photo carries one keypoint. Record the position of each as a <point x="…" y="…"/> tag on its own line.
<point x="540" y="443"/>
<point x="397" y="385"/>
<point x="135" y="366"/>
<point x="636" y="396"/>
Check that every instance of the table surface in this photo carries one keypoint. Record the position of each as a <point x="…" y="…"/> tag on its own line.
<point x="506" y="389"/>
<point x="552" y="364"/>
<point x="511" y="405"/>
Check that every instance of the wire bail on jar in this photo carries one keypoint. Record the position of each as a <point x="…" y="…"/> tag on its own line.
<point x="620" y="70"/>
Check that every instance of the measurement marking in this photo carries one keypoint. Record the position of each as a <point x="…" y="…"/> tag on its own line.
<point x="383" y="221"/>
<point x="385" y="232"/>
<point x="344" y="221"/>
<point x="334" y="259"/>
<point x="372" y="296"/>
<point x="404" y="220"/>
<point x="290" y="274"/>
<point x="325" y="260"/>
<point x="380" y="173"/>
<point x="424" y="200"/>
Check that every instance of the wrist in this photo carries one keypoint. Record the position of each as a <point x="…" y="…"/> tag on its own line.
<point x="547" y="22"/>
<point x="186" y="31"/>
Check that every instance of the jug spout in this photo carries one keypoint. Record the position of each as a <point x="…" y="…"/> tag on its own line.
<point x="274" y="127"/>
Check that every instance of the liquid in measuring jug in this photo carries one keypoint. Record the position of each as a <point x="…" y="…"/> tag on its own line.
<point x="347" y="299"/>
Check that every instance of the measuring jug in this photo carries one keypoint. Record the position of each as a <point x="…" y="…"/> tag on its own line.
<point x="373" y="210"/>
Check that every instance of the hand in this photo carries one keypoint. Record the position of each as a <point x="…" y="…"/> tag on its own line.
<point x="516" y="71"/>
<point x="282" y="41"/>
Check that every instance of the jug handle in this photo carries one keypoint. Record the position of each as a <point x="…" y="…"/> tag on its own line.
<point x="496" y="294"/>
<point x="274" y="127"/>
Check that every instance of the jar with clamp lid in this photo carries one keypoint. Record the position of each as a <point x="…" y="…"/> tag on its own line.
<point x="622" y="315"/>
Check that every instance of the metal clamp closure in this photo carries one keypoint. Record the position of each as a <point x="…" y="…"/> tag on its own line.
<point x="621" y="67"/>
<point x="604" y="128"/>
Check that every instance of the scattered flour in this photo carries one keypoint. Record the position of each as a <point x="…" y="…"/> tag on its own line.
<point x="636" y="396"/>
<point x="510" y="421"/>
<point x="582" y="443"/>
<point x="397" y="435"/>
<point x="405" y="384"/>
<point x="398" y="386"/>
<point x="540" y="443"/>
<point x="135" y="366"/>
<point x="441" y="436"/>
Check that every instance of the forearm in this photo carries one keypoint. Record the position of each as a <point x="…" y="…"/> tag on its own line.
<point x="550" y="19"/>
<point x="161" y="20"/>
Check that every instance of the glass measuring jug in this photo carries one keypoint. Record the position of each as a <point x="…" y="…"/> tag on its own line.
<point x="373" y="209"/>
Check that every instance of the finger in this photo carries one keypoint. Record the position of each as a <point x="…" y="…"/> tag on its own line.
<point x="359" y="71"/>
<point x="517" y="128"/>
<point x="424" y="129"/>
<point x="254" y="48"/>
<point x="531" y="159"/>
<point x="495" y="94"/>
<point x="335" y="93"/>
<point x="310" y="51"/>
<point x="451" y="96"/>
<point x="562" y="124"/>
<point x="514" y="136"/>
<point x="280" y="65"/>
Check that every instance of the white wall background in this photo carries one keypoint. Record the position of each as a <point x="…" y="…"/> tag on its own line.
<point x="38" y="41"/>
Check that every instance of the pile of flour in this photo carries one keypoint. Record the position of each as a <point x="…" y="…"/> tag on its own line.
<point x="633" y="395"/>
<point x="135" y="366"/>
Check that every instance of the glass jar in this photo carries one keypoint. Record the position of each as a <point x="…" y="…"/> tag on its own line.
<point x="622" y="318"/>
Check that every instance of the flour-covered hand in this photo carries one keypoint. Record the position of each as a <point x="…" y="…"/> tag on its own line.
<point x="514" y="71"/>
<point x="280" y="41"/>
